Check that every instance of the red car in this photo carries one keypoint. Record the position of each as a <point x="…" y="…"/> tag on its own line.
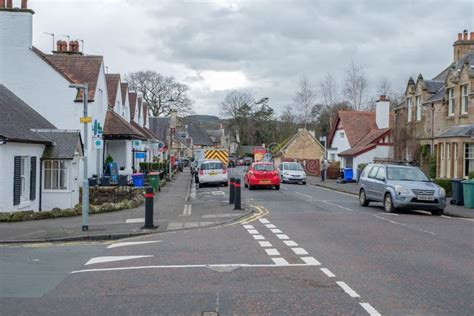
<point x="262" y="174"/>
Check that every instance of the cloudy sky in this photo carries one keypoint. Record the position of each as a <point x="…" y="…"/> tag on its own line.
<point x="261" y="46"/>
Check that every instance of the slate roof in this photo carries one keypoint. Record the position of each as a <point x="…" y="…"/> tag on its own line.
<point x="145" y="131"/>
<point x="116" y="127"/>
<point x="132" y="99"/>
<point x="124" y="90"/>
<point x="437" y="96"/>
<point x="112" y="81"/>
<point x="159" y="126"/>
<point x="433" y="86"/>
<point x="17" y="120"/>
<point x="75" y="68"/>
<point x="199" y="136"/>
<point x="66" y="143"/>
<point x="458" y="131"/>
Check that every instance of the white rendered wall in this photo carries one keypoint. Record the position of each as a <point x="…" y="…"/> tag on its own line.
<point x="61" y="198"/>
<point x="341" y="143"/>
<point x="8" y="152"/>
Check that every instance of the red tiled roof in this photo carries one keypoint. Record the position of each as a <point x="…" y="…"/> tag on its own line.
<point x="366" y="143"/>
<point x="113" y="81"/>
<point x="124" y="90"/>
<point x="75" y="68"/>
<point x="116" y="126"/>
<point x="132" y="99"/>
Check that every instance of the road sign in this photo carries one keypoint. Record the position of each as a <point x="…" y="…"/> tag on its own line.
<point x="140" y="155"/>
<point x="86" y="119"/>
<point x="136" y="144"/>
<point x="98" y="143"/>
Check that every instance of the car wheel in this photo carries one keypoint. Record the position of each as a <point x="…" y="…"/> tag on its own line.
<point x="225" y="184"/>
<point x="200" y="185"/>
<point x="304" y="182"/>
<point x="277" y="187"/>
<point x="437" y="212"/>
<point x="363" y="198"/>
<point x="246" y="185"/>
<point x="388" y="203"/>
<point x="250" y="187"/>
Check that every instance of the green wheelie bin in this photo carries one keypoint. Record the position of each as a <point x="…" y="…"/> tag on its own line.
<point x="468" y="186"/>
<point x="154" y="180"/>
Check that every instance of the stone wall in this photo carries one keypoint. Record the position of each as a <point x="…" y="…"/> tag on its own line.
<point x="113" y="194"/>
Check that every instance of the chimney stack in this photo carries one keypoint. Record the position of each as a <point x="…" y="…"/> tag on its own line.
<point x="465" y="35"/>
<point x="24" y="4"/>
<point x="382" y="112"/>
<point x="2" y="4"/>
<point x="459" y="36"/>
<point x="464" y="45"/>
<point x="472" y="36"/>
<point x="9" y="4"/>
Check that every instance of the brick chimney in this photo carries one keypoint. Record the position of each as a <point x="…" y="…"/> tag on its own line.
<point x="9" y="4"/>
<point x="463" y="45"/>
<point x="382" y="112"/>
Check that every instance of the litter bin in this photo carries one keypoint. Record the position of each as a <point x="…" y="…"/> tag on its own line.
<point x="468" y="186"/>
<point x="122" y="180"/>
<point x="348" y="174"/>
<point x="457" y="191"/>
<point x="105" y="181"/>
<point x="154" y="179"/>
<point x="92" y="181"/>
<point x="138" y="179"/>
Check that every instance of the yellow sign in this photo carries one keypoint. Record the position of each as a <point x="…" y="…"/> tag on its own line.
<point x="86" y="119"/>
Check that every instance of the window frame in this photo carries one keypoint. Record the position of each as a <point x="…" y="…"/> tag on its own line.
<point x="25" y="179"/>
<point x="418" y="107"/>
<point x="464" y="99"/>
<point x="49" y="172"/>
<point x="410" y="109"/>
<point x="375" y="170"/>
<point x="451" y="102"/>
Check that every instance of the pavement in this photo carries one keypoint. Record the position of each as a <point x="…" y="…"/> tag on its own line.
<point x="352" y="188"/>
<point x="175" y="208"/>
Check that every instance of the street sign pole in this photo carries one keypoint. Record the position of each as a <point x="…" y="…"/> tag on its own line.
<point x="85" y="183"/>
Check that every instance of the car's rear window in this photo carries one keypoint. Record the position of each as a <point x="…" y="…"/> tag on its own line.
<point x="406" y="174"/>
<point x="262" y="167"/>
<point x="212" y="166"/>
<point x="293" y="167"/>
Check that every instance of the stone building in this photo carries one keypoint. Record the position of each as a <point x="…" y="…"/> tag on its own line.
<point x="436" y="120"/>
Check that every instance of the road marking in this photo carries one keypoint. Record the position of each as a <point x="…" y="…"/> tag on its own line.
<point x="276" y="231"/>
<point x="390" y="214"/>
<point x="264" y="221"/>
<point x="131" y="243"/>
<point x="284" y="188"/>
<point x="265" y="244"/>
<point x="272" y="252"/>
<point x="307" y="196"/>
<point x="219" y="215"/>
<point x="258" y="237"/>
<point x="270" y="226"/>
<point x="347" y="289"/>
<point x="344" y="208"/>
<point x="372" y="311"/>
<point x="444" y="216"/>
<point x="282" y="236"/>
<point x="218" y="193"/>
<point x="113" y="258"/>
<point x="299" y="251"/>
<point x="290" y="243"/>
<point x="134" y="220"/>
<point x="280" y="261"/>
<point x="193" y="192"/>
<point x="405" y="225"/>
<point x="311" y="261"/>
<point x="253" y="231"/>
<point x="468" y="219"/>
<point x="328" y="273"/>
<point x="187" y="210"/>
<point x="248" y="227"/>
<point x="349" y="194"/>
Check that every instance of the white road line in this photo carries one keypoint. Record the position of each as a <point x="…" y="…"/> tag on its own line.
<point x="272" y="252"/>
<point x="113" y="258"/>
<point x="190" y="207"/>
<point x="253" y="231"/>
<point x="347" y="289"/>
<point x="258" y="237"/>
<point x="290" y="243"/>
<point x="264" y="221"/>
<point x="311" y="261"/>
<point x="468" y="219"/>
<point x="372" y="311"/>
<point x="299" y="251"/>
<point x="270" y="226"/>
<point x="328" y="273"/>
<point x="405" y="225"/>
<point x="276" y="231"/>
<point x="282" y="236"/>
<point x="134" y="220"/>
<point x="248" y="226"/>
<point x="349" y="194"/>
<point x="283" y="188"/>
<point x="444" y="216"/>
<point x="390" y="214"/>
<point x="265" y="244"/>
<point x="193" y="192"/>
<point x="307" y="196"/>
<point x="131" y="243"/>
<point x="280" y="261"/>
<point x="344" y="208"/>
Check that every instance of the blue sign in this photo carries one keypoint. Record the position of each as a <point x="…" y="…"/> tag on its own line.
<point x="140" y="155"/>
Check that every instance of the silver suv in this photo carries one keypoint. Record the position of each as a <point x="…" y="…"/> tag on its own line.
<point x="400" y="186"/>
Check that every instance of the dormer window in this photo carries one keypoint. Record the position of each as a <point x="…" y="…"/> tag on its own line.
<point x="464" y="99"/>
<point x="451" y="102"/>
<point x="410" y="109"/>
<point x="418" y="107"/>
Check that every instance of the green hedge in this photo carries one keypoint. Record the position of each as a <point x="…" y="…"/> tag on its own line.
<point x="446" y="184"/>
<point x="152" y="166"/>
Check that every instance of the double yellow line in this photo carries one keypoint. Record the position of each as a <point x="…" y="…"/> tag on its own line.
<point x="260" y="212"/>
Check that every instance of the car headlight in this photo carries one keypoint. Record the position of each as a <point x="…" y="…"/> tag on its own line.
<point x="442" y="192"/>
<point x="401" y="190"/>
<point x="286" y="174"/>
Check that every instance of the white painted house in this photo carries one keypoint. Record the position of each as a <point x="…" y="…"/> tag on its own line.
<point x="359" y="137"/>
<point x="42" y="80"/>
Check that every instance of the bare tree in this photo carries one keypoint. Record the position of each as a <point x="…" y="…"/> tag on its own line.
<point x="384" y="87"/>
<point x="233" y="102"/>
<point x="304" y="101"/>
<point x="355" y="85"/>
<point x="328" y="89"/>
<point x="237" y="109"/>
<point x="160" y="92"/>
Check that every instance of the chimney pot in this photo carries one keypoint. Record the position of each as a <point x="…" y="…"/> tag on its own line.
<point x="382" y="97"/>
<point x="459" y="36"/>
<point x="59" y="45"/>
<point x="24" y="4"/>
<point x="9" y="4"/>
<point x="465" y="36"/>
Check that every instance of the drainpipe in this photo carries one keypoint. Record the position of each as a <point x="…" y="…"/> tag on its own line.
<point x="432" y="128"/>
<point x="40" y="186"/>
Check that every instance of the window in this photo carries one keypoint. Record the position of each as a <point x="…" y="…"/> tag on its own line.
<point x="341" y="134"/>
<point x="381" y="174"/>
<point x="24" y="178"/>
<point x="442" y="151"/>
<point x="55" y="175"/>
<point x="418" y="108"/>
<point x="469" y="159"/>
<point x="455" y="151"/>
<point x="448" y="151"/>
<point x="332" y="156"/>
<point x="410" y="109"/>
<point x="406" y="174"/>
<point x="373" y="172"/>
<point x="451" y="102"/>
<point x="464" y="99"/>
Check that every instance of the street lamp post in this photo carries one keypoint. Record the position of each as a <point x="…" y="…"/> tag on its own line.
<point x="85" y="183"/>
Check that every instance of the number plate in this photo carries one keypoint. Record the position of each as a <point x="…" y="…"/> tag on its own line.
<point x="265" y="181"/>
<point x="212" y="173"/>
<point x="425" y="197"/>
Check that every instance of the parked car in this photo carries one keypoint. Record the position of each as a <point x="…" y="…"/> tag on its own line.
<point x="239" y="162"/>
<point x="262" y="174"/>
<point x="400" y="187"/>
<point x="292" y="172"/>
<point x="231" y="161"/>
<point x="248" y="161"/>
<point x="211" y="172"/>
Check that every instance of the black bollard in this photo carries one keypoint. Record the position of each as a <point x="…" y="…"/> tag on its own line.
<point x="231" y="191"/>
<point x="148" y="208"/>
<point x="237" y="194"/>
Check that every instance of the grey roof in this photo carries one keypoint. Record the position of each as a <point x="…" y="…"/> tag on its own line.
<point x="438" y="96"/>
<point x="458" y="65"/>
<point x="66" y="143"/>
<point x="159" y="126"/>
<point x="458" y="131"/>
<point x="433" y="86"/>
<point x="17" y="119"/>
<point x="199" y="136"/>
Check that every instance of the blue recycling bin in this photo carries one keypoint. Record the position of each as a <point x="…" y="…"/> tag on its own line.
<point x="138" y="179"/>
<point x="348" y="174"/>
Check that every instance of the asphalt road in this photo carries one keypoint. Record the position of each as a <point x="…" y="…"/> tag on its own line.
<point x="306" y="251"/>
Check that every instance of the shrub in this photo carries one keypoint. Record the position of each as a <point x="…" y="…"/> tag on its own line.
<point x="470" y="175"/>
<point x="432" y="170"/>
<point x="445" y="184"/>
